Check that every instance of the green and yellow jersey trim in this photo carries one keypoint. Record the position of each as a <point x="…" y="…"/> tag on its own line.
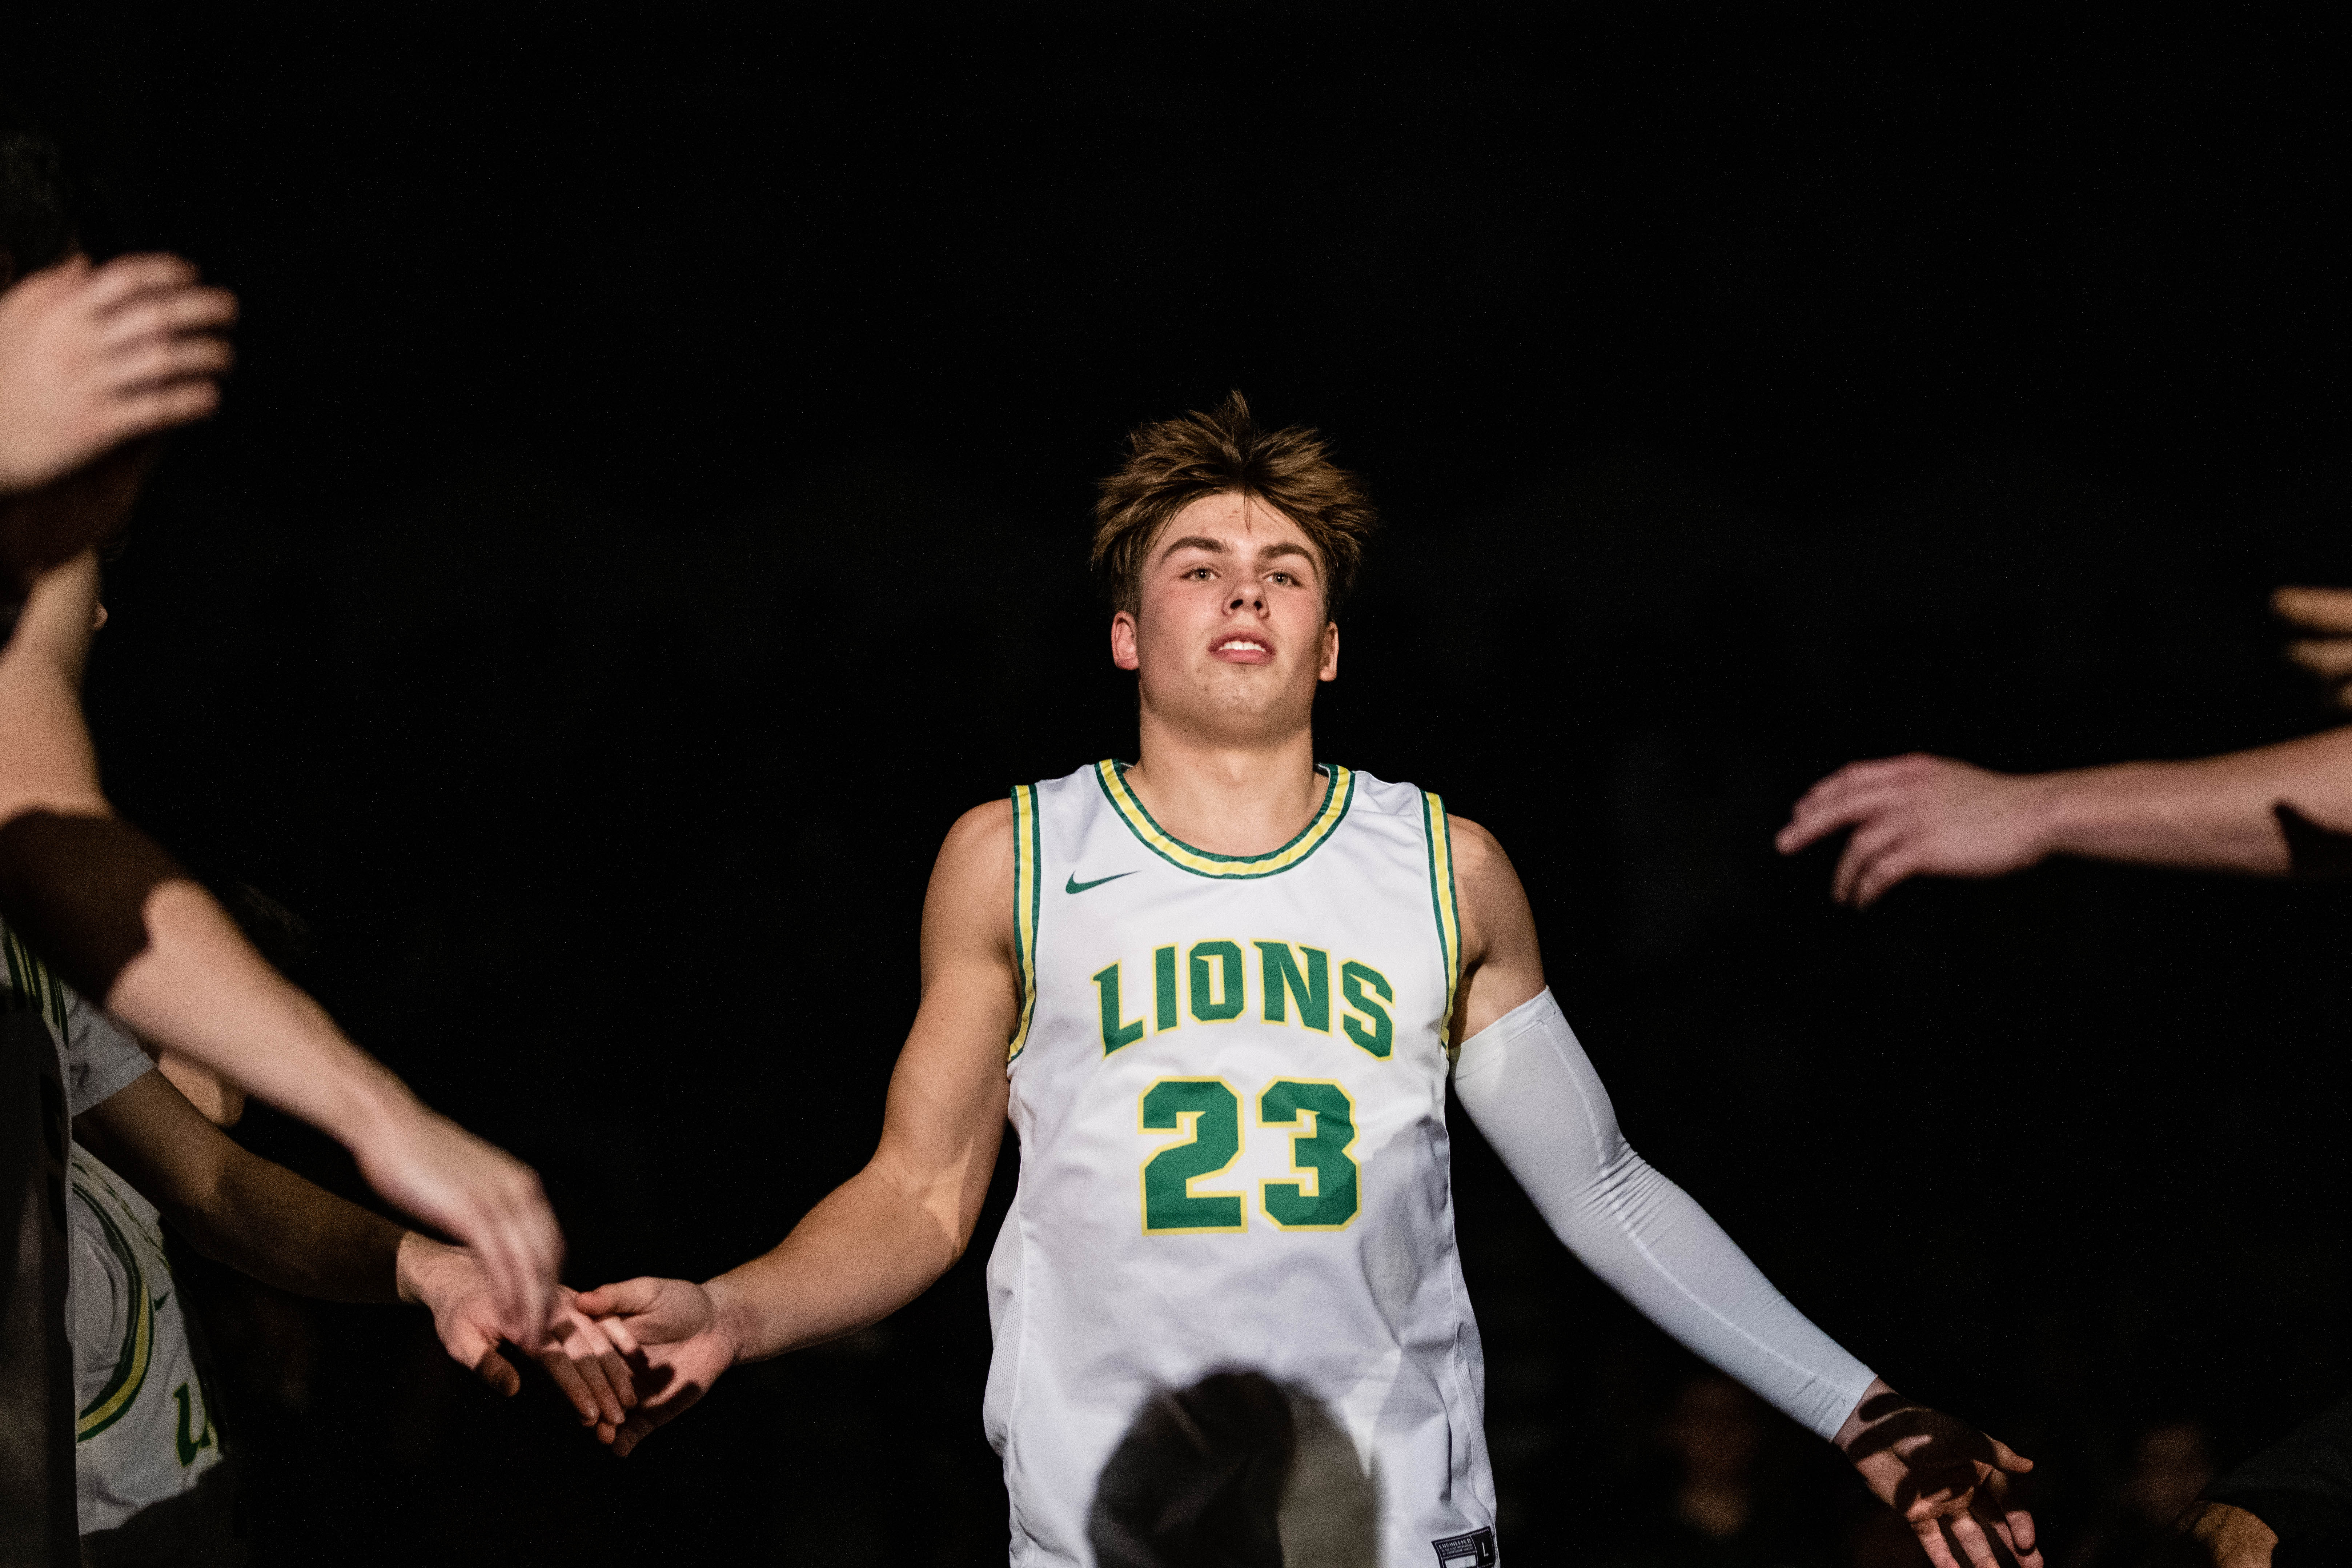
<point x="138" y="1347"/>
<point x="1337" y="792"/>
<point x="1440" y="833"/>
<point x="32" y="984"/>
<point x="1028" y="892"/>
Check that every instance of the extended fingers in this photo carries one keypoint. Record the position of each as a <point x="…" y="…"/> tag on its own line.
<point x="2320" y="609"/>
<point x="127" y="276"/>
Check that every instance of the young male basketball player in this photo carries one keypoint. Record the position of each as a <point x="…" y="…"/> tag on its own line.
<point x="1232" y="982"/>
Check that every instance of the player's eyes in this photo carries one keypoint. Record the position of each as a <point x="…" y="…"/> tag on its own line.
<point x="1199" y="574"/>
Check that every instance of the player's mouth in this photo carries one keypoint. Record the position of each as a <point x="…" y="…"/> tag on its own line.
<point x="1243" y="647"/>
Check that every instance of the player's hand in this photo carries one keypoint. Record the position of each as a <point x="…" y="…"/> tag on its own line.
<point x="2228" y="1536"/>
<point x="1949" y="1480"/>
<point x="2326" y="614"/>
<point x="585" y="1365"/>
<point x="94" y="356"/>
<point x="675" y="1339"/>
<point x="1920" y="816"/>
<point x="436" y="1170"/>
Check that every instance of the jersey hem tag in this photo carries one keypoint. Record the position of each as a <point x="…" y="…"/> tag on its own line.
<point x="1475" y="1550"/>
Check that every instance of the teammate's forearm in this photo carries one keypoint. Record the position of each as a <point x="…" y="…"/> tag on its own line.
<point x="2213" y="814"/>
<point x="866" y="1251"/>
<point x="200" y="989"/>
<point x="263" y="1220"/>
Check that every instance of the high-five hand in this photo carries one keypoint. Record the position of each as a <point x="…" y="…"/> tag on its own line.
<point x="1947" y="1478"/>
<point x="1919" y="815"/>
<point x="443" y="1175"/>
<point x="94" y="356"/>
<point x="674" y="1338"/>
<point x="584" y="1364"/>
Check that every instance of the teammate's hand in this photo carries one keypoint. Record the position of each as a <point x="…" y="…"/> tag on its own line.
<point x="436" y="1170"/>
<point x="2228" y="1535"/>
<point x="1920" y="816"/>
<point x="93" y="357"/>
<point x="1949" y="1480"/>
<point x="2326" y="614"/>
<point x="673" y="1339"/>
<point x="450" y="1283"/>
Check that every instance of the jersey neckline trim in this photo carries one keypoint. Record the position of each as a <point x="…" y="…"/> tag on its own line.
<point x="1338" y="794"/>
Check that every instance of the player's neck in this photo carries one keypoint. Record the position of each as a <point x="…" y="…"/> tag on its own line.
<point x="1228" y="798"/>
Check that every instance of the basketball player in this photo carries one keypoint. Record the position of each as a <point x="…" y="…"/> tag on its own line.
<point x="144" y="1443"/>
<point x="1220" y="992"/>
<point x="2274" y="811"/>
<point x="92" y="358"/>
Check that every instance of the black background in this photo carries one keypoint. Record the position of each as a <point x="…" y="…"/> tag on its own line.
<point x="651" y="505"/>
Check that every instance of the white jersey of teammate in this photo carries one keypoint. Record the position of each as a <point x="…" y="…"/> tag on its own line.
<point x="143" y="1432"/>
<point x="143" y="1426"/>
<point x="1230" y="1088"/>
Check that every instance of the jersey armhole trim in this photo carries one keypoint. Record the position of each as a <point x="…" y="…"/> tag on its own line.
<point x="138" y="1347"/>
<point x="1440" y="834"/>
<point x="1027" y="895"/>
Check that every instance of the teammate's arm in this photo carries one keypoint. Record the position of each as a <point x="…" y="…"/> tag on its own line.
<point x="121" y="921"/>
<point x="1529" y="1087"/>
<point x="2258" y="812"/>
<point x="881" y="1237"/>
<point x="262" y="1219"/>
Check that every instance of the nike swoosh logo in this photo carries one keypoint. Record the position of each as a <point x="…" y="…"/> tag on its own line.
<point x="1075" y="886"/>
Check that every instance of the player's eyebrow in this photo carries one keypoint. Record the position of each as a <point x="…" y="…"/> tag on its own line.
<point x="1282" y="547"/>
<point x="1194" y="541"/>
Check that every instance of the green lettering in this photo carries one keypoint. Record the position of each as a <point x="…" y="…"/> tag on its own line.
<point x="1357" y="981"/>
<point x="190" y="1447"/>
<point x="1115" y="1034"/>
<point x="1164" y="988"/>
<point x="1282" y="981"/>
<point x="1214" y="1006"/>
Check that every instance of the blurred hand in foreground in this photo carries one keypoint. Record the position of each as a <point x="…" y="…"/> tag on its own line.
<point x="1920" y="816"/>
<point x="436" y="1170"/>
<point x="92" y="357"/>
<point x="2326" y="614"/>
<point x="674" y="1338"/>
<point x="1949" y="1482"/>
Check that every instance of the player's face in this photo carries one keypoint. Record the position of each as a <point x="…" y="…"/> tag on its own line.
<point x="1231" y="638"/>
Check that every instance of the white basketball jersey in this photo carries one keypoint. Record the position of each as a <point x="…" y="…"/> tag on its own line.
<point x="1230" y="1087"/>
<point x="144" y="1431"/>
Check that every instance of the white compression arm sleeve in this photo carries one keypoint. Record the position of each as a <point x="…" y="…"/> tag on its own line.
<point x="1532" y="1091"/>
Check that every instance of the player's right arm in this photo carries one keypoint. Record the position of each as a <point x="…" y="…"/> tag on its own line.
<point x="881" y="1237"/>
<point x="1922" y="816"/>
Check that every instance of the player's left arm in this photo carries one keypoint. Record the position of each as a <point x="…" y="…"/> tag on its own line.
<point x="1531" y="1090"/>
<point x="263" y="1220"/>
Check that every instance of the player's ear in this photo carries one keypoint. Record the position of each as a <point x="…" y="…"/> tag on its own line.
<point x="1330" y="671"/>
<point x="1123" y="652"/>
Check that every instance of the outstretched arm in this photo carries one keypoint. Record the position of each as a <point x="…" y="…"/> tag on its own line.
<point x="262" y="1219"/>
<point x="2267" y="812"/>
<point x="114" y="914"/>
<point x="1532" y="1091"/>
<point x="881" y="1237"/>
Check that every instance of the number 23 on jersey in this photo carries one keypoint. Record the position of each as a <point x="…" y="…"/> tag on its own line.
<point x="1317" y="1114"/>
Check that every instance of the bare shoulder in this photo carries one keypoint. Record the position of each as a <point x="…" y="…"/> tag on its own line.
<point x="1496" y="924"/>
<point x="970" y="895"/>
<point x="1480" y="867"/>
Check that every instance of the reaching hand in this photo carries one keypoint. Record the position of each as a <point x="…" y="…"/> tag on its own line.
<point x="1947" y="1480"/>
<point x="1918" y="816"/>
<point x="442" y="1174"/>
<point x="93" y="357"/>
<point x="675" y="1340"/>
<point x="584" y="1364"/>
<point x="2326" y="614"/>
